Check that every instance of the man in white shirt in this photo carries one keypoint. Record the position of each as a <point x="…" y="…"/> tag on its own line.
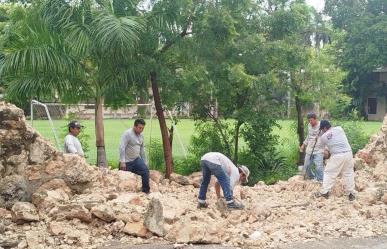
<point x="227" y="175"/>
<point x="340" y="162"/>
<point x="314" y="151"/>
<point x="71" y="142"/>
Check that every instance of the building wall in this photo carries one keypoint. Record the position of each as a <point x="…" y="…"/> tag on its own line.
<point x="381" y="108"/>
<point x="377" y="89"/>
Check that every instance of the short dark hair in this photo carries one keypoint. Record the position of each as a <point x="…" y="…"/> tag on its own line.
<point x="324" y="124"/>
<point x="139" y="121"/>
<point x="311" y="115"/>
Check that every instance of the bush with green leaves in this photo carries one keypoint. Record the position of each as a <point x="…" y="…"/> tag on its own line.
<point x="208" y="138"/>
<point x="269" y="167"/>
<point x="355" y="134"/>
<point x="187" y="165"/>
<point x="156" y="156"/>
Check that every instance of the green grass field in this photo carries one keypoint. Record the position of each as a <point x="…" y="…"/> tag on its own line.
<point x="185" y="128"/>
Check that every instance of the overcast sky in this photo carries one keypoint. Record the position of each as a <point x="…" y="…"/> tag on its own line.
<point x="317" y="4"/>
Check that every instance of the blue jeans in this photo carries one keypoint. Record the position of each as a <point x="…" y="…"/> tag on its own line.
<point x="318" y="172"/>
<point x="209" y="169"/>
<point x="139" y="167"/>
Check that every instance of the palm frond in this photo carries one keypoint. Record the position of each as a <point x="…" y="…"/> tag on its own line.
<point x="116" y="36"/>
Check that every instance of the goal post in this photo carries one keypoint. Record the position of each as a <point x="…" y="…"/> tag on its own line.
<point x="37" y="103"/>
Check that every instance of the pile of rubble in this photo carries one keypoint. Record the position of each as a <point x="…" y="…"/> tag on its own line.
<point x="51" y="200"/>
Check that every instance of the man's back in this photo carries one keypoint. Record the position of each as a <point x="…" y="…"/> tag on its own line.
<point x="227" y="165"/>
<point x="336" y="140"/>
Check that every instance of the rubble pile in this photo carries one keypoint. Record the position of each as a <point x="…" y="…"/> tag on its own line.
<point x="52" y="200"/>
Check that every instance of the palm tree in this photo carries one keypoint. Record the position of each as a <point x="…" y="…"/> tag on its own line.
<point x="79" y="49"/>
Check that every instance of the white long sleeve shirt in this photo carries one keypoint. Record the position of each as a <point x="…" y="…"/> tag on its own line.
<point x="131" y="146"/>
<point x="72" y="145"/>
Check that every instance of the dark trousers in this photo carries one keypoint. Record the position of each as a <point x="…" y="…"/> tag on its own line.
<point x="139" y="167"/>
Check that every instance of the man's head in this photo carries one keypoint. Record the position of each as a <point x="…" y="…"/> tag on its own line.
<point x="312" y="118"/>
<point x="75" y="127"/>
<point x="139" y="125"/>
<point x="244" y="173"/>
<point x="325" y="125"/>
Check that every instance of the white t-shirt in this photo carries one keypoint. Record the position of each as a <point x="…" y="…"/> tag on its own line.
<point x="226" y="164"/>
<point x="72" y="145"/>
<point x="336" y="140"/>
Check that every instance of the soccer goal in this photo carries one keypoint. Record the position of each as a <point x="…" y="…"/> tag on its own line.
<point x="41" y="111"/>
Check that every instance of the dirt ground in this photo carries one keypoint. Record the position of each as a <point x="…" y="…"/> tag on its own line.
<point x="343" y="243"/>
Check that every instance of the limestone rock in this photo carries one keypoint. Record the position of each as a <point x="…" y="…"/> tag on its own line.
<point x="154" y="220"/>
<point x="72" y="211"/>
<point x="35" y="239"/>
<point x="137" y="229"/>
<point x="182" y="180"/>
<point x="103" y="212"/>
<point x="13" y="189"/>
<point x="89" y="200"/>
<point x="156" y="176"/>
<point x="127" y="181"/>
<point x="55" y="228"/>
<point x="24" y="212"/>
<point x="197" y="228"/>
<point x="384" y="198"/>
<point x="5" y="214"/>
<point x="40" y="151"/>
<point x="47" y="199"/>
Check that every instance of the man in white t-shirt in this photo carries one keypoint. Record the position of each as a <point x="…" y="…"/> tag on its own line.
<point x="314" y="151"/>
<point x="227" y="175"/>
<point x="71" y="142"/>
<point x="340" y="162"/>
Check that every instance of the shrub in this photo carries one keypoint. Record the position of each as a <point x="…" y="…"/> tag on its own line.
<point x="208" y="138"/>
<point x="355" y="134"/>
<point x="187" y="166"/>
<point x="156" y="156"/>
<point x="270" y="167"/>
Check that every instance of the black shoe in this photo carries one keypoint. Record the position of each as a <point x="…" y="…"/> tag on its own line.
<point x="351" y="197"/>
<point x="234" y="205"/>
<point x="202" y="205"/>
<point x="318" y="195"/>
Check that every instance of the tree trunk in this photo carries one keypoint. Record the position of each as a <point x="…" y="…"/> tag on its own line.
<point x="99" y="133"/>
<point x="236" y="141"/>
<point x="300" y="128"/>
<point x="163" y="125"/>
<point x="171" y="136"/>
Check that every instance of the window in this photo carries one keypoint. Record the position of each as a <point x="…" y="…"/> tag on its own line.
<point x="372" y="105"/>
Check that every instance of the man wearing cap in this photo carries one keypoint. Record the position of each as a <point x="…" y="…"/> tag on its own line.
<point x="227" y="175"/>
<point x="314" y="151"/>
<point x="340" y="162"/>
<point x="71" y="142"/>
<point x="132" y="153"/>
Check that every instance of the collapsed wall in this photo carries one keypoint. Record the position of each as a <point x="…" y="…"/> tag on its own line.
<point x="51" y="200"/>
